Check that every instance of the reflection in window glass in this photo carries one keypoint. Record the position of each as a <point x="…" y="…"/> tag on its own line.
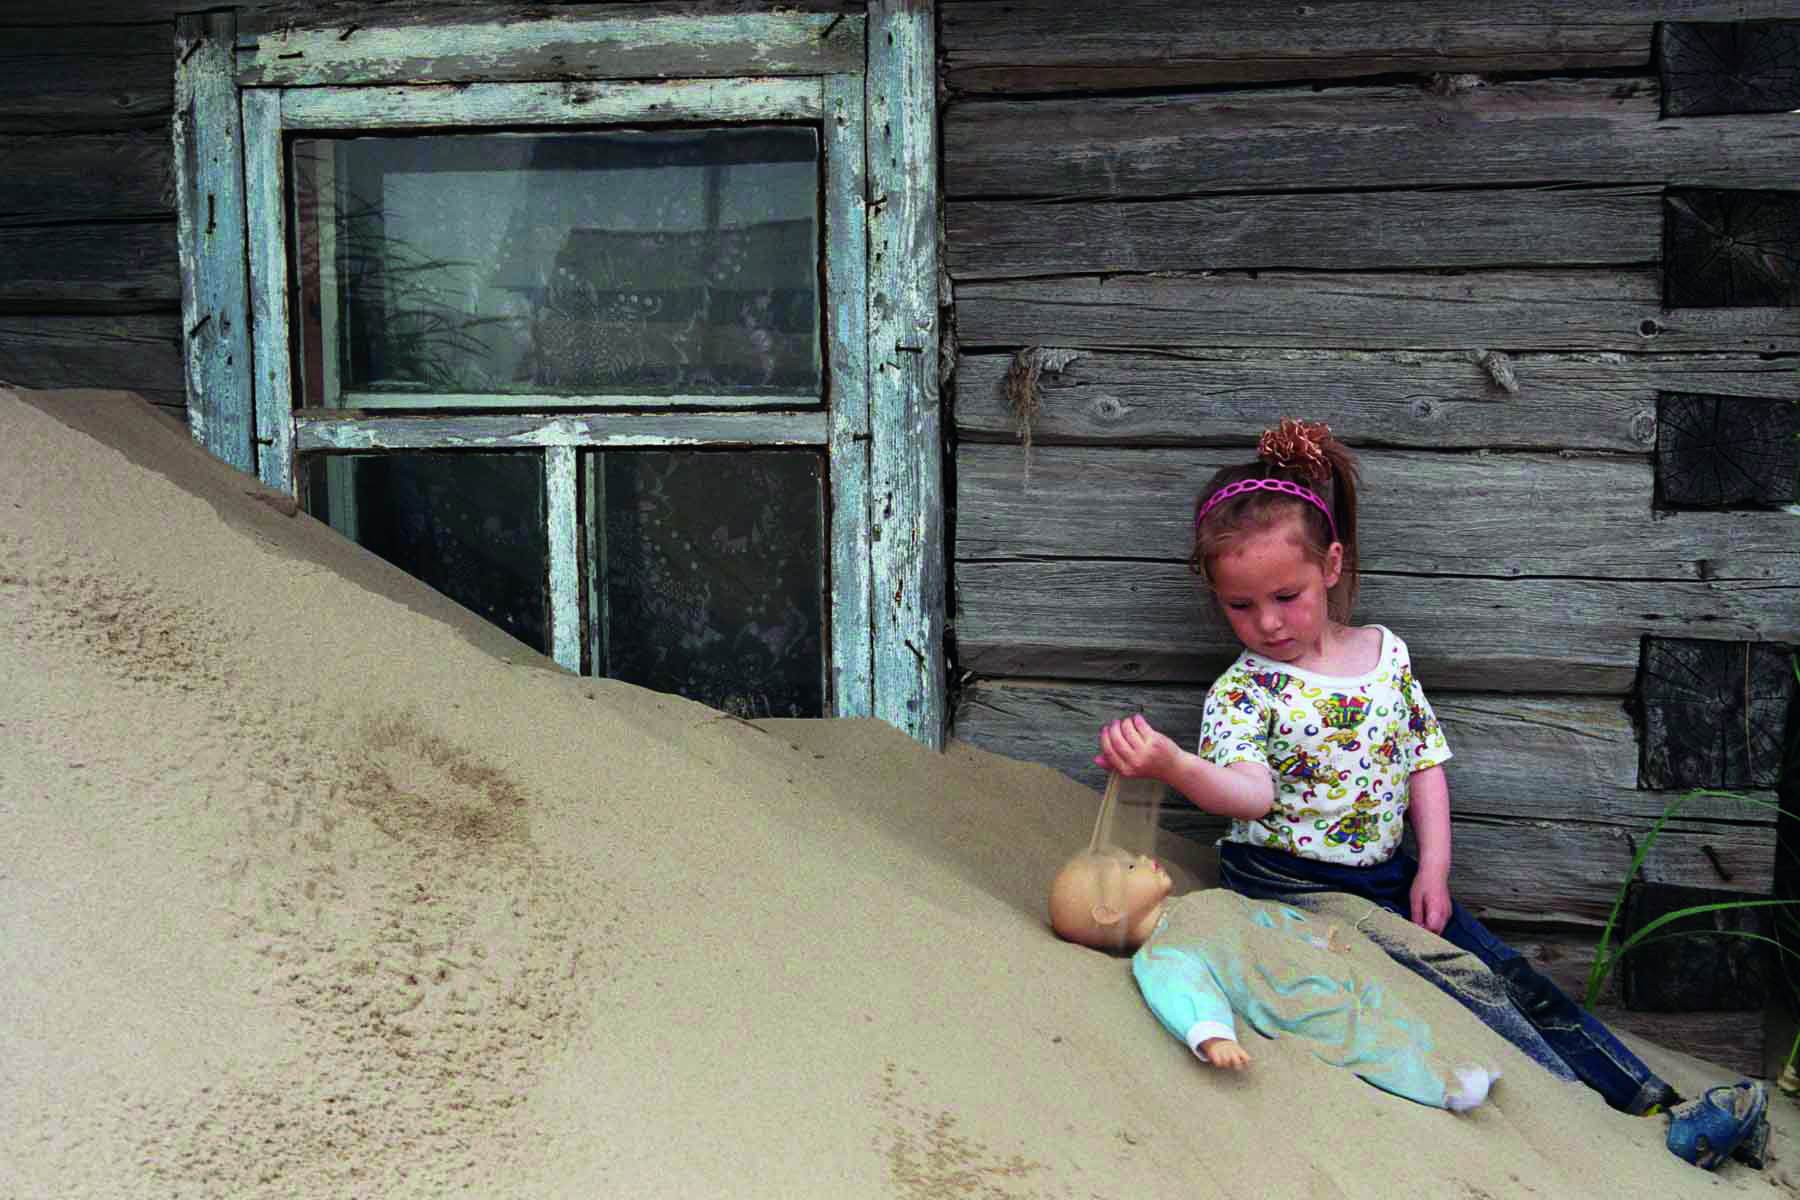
<point x="470" y="525"/>
<point x="487" y="266"/>
<point x="710" y="575"/>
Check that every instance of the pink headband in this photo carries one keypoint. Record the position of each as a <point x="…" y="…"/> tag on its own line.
<point x="1265" y="485"/>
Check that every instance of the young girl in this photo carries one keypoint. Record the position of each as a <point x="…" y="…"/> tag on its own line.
<point x="1319" y="744"/>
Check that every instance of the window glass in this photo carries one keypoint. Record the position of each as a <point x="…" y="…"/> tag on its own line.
<point x="469" y="524"/>
<point x="709" y="565"/>
<point x="485" y="269"/>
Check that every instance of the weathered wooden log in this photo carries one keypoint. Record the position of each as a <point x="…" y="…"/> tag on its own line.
<point x="1435" y="401"/>
<point x="87" y="177"/>
<point x="1729" y="65"/>
<point x="1731" y="248"/>
<point x="640" y="42"/>
<point x="255" y="16"/>
<point x="138" y="352"/>
<point x="1520" y="757"/>
<point x="1537" y="839"/>
<point x="1058" y="46"/>
<point x="1140" y="621"/>
<point x="989" y="239"/>
<point x="258" y="17"/>
<point x="1551" y="310"/>
<point x="86" y="77"/>
<point x="1714" y="712"/>
<point x="1723" y="451"/>
<point x="123" y="267"/>
<point x="1492" y="515"/>
<point x="1599" y="131"/>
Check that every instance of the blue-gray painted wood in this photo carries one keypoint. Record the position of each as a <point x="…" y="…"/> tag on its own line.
<point x="593" y="533"/>
<point x="565" y="577"/>
<point x="463" y="401"/>
<point x="587" y="102"/>
<point x="316" y="430"/>
<point x="905" y="474"/>
<point x="210" y="233"/>
<point x="847" y="356"/>
<point x="265" y="214"/>
<point x="654" y="47"/>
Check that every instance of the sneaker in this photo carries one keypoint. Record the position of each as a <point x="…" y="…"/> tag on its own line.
<point x="1708" y="1129"/>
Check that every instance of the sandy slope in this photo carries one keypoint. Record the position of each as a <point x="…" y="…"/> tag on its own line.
<point x="312" y="885"/>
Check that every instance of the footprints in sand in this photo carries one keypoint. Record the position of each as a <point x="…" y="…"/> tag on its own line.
<point x="421" y="944"/>
<point x="929" y="1156"/>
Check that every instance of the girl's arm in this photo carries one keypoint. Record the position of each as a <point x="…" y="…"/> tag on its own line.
<point x="1428" y="809"/>
<point x="1133" y="748"/>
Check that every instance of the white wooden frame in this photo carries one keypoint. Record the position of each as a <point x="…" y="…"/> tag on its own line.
<point x="879" y="430"/>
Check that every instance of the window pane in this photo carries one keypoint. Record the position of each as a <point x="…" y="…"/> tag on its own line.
<point x="709" y="566"/>
<point x="470" y="525"/>
<point x="489" y="266"/>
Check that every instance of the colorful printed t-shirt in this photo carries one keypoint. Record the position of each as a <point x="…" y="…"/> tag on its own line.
<point x="1341" y="751"/>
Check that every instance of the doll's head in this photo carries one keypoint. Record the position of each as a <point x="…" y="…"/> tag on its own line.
<point x="1303" y="480"/>
<point x="1108" y="899"/>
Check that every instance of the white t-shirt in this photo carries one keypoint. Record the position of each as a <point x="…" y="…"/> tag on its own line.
<point x="1342" y="751"/>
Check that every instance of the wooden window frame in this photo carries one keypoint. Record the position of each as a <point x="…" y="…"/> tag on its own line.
<point x="866" y="80"/>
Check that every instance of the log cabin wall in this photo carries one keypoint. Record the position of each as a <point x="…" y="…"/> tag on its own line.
<point x="1443" y="229"/>
<point x="90" y="293"/>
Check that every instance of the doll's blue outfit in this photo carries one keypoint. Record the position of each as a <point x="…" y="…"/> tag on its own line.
<point x="1216" y="956"/>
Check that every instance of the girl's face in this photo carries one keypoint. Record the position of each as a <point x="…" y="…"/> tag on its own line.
<point x="1275" y="594"/>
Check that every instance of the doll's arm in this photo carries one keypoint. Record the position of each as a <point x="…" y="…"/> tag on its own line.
<point x="1179" y="987"/>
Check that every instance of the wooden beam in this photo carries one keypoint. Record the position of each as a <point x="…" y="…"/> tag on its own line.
<point x="1580" y="753"/>
<point x="1729" y="65"/>
<point x="1488" y="515"/>
<point x="1094" y="45"/>
<point x="905" y="472"/>
<point x="537" y="103"/>
<point x="334" y="430"/>
<point x="87" y="177"/>
<point x="1422" y="400"/>
<point x="1731" y="248"/>
<point x="1609" y="309"/>
<point x="1145" y="621"/>
<point x="993" y="239"/>
<point x="1571" y="830"/>
<point x="110" y="267"/>
<point x="265" y="212"/>
<point x="84" y="77"/>
<point x="211" y="236"/>
<point x="259" y="16"/>
<point x="1726" y="451"/>
<point x="563" y="545"/>
<point x="850" y="597"/>
<point x="656" y="44"/>
<point x="132" y="352"/>
<point x="1597" y="131"/>
<point x="1715" y="712"/>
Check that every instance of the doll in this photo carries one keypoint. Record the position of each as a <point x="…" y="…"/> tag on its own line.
<point x="1207" y="958"/>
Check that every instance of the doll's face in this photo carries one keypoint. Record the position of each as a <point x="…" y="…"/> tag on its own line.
<point x="1109" y="899"/>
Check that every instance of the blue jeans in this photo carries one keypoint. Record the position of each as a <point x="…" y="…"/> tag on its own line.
<point x="1510" y="998"/>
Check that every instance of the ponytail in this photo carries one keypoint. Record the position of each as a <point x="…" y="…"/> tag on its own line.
<point x="1300" y="471"/>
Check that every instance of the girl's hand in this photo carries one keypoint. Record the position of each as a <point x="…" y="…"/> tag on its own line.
<point x="1133" y="748"/>
<point x="1430" y="900"/>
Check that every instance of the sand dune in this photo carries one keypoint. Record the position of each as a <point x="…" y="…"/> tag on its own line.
<point x="313" y="885"/>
